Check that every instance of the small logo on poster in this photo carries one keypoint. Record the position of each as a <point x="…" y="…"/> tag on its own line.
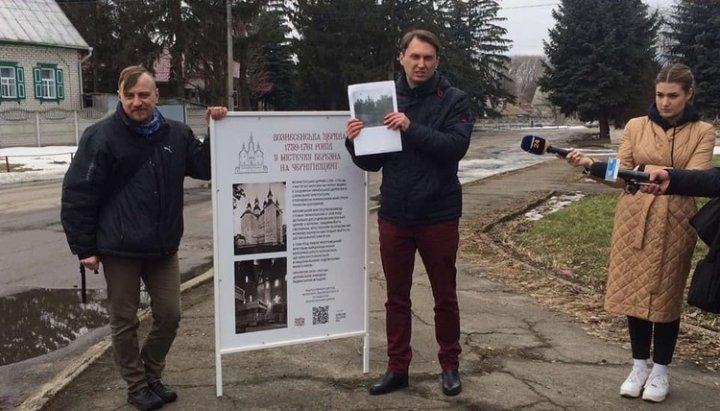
<point x="251" y="159"/>
<point x="300" y="321"/>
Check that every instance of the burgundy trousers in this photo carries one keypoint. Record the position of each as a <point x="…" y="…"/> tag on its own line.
<point x="437" y="245"/>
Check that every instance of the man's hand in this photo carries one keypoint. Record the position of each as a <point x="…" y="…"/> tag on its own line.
<point x="397" y="121"/>
<point x="92" y="263"/>
<point x="661" y="180"/>
<point x="216" y="112"/>
<point x="354" y="125"/>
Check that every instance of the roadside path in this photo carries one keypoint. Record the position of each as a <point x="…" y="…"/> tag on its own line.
<point x="517" y="355"/>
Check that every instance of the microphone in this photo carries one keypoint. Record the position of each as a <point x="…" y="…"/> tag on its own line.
<point x="633" y="179"/>
<point x="599" y="169"/>
<point x="538" y="145"/>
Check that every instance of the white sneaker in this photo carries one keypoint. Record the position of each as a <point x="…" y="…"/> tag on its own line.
<point x="633" y="384"/>
<point x="656" y="388"/>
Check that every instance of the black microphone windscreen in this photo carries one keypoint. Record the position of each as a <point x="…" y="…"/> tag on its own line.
<point x="598" y="169"/>
<point x="533" y="144"/>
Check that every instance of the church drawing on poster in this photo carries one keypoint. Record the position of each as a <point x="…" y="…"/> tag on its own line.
<point x="261" y="227"/>
<point x="251" y="159"/>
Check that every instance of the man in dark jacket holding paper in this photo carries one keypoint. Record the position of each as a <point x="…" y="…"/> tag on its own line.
<point x="122" y="203"/>
<point x="420" y="205"/>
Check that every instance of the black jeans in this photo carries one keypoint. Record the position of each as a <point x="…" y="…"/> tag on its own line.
<point x="665" y="339"/>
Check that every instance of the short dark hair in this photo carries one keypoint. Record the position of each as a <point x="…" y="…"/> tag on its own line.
<point x="424" y="35"/>
<point x="129" y="77"/>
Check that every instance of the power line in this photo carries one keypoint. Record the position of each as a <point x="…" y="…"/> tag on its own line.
<point x="530" y="6"/>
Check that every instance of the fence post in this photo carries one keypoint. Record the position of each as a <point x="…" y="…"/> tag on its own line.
<point x="37" y="127"/>
<point x="77" y="129"/>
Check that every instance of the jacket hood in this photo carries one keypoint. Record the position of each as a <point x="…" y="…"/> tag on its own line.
<point x="689" y="115"/>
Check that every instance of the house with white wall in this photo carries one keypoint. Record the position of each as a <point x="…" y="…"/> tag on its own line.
<point x="41" y="53"/>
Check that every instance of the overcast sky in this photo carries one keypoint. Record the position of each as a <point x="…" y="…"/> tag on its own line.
<point x="528" y="22"/>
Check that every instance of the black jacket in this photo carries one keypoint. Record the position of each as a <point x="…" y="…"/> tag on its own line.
<point x="123" y="192"/>
<point x="420" y="183"/>
<point x="697" y="183"/>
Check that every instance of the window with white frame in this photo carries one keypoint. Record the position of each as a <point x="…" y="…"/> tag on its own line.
<point x="8" y="84"/>
<point x="12" y="82"/>
<point x="49" y="82"/>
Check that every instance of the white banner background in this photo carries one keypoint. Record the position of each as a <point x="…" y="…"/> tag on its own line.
<point x="320" y="197"/>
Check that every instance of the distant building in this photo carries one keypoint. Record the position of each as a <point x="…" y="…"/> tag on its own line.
<point x="40" y="57"/>
<point x="194" y="82"/>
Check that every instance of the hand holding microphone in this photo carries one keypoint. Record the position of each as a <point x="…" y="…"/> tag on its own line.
<point x="661" y="179"/>
<point x="599" y="169"/>
<point x="538" y="145"/>
<point x="633" y="179"/>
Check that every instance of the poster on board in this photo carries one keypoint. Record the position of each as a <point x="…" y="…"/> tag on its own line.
<point x="290" y="220"/>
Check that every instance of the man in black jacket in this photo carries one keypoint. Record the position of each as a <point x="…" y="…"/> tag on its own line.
<point x="122" y="202"/>
<point x="420" y="205"/>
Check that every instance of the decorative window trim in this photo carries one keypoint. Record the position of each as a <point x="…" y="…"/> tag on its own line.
<point x="18" y="80"/>
<point x="49" y="89"/>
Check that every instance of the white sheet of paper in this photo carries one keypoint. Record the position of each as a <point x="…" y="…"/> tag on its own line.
<point x="370" y="102"/>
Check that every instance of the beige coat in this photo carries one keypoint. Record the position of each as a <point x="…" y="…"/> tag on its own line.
<point x="652" y="241"/>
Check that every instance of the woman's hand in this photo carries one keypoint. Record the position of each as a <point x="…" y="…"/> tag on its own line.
<point x="577" y="159"/>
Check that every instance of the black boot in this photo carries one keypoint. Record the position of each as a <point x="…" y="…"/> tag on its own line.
<point x="144" y="399"/>
<point x="388" y="383"/>
<point x="451" y="384"/>
<point x="163" y="391"/>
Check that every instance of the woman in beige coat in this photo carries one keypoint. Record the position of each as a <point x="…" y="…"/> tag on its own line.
<point x="652" y="241"/>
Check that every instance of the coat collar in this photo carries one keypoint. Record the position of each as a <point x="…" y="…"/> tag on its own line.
<point x="689" y="115"/>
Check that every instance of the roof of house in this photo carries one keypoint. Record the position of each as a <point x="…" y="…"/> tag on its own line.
<point x="39" y="22"/>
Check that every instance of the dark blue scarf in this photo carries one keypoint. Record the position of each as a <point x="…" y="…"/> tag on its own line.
<point x="146" y="129"/>
<point x="150" y="127"/>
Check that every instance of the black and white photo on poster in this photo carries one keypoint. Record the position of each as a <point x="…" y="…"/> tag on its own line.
<point x="260" y="294"/>
<point x="259" y="218"/>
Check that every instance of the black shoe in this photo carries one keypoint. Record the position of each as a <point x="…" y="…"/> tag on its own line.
<point x="145" y="399"/>
<point x="163" y="391"/>
<point x="388" y="383"/>
<point x="451" y="384"/>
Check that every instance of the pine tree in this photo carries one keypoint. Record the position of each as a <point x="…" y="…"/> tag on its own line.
<point x="695" y="41"/>
<point x="600" y="57"/>
<point x="474" y="56"/>
<point x="339" y="44"/>
<point x="277" y="53"/>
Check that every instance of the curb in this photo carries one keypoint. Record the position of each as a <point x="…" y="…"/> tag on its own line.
<point x="44" y="394"/>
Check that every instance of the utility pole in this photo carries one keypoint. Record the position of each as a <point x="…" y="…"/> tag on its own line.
<point x="230" y="65"/>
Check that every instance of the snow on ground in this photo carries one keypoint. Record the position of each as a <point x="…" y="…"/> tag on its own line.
<point x="45" y="163"/>
<point x="48" y="163"/>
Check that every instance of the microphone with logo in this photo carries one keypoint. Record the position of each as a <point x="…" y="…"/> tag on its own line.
<point x="538" y="145"/>
<point x="633" y="179"/>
